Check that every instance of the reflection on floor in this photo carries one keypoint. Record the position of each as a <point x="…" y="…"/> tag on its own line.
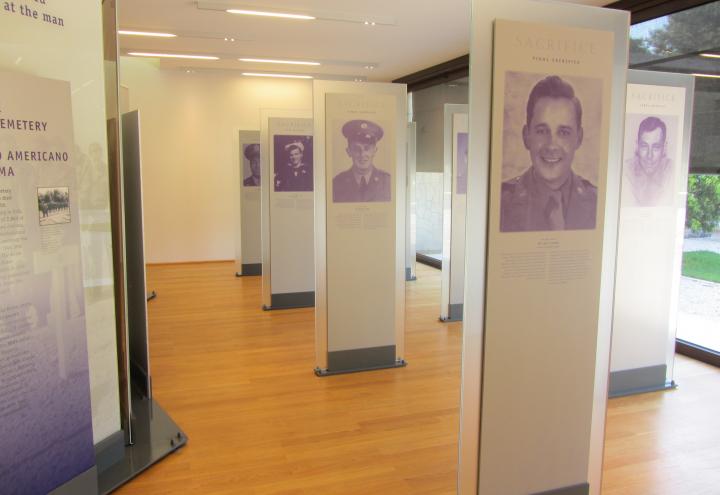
<point x="239" y="382"/>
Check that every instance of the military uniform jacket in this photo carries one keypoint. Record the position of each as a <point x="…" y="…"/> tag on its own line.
<point x="522" y="208"/>
<point x="347" y="190"/>
<point x="290" y="179"/>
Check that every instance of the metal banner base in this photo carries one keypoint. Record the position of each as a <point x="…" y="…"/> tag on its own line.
<point x="581" y="489"/>
<point x="249" y="269"/>
<point x="354" y="360"/>
<point x="455" y="313"/>
<point x="397" y="364"/>
<point x="639" y="380"/>
<point x="291" y="300"/>
<point x="155" y="435"/>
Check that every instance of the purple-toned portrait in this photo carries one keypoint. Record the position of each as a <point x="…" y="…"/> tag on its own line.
<point x="462" y="162"/>
<point x="251" y="165"/>
<point x="648" y="172"/>
<point x="363" y="181"/>
<point x="293" y="163"/>
<point x="550" y="150"/>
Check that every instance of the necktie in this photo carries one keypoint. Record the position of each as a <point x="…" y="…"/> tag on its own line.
<point x="554" y="211"/>
<point x="363" y="186"/>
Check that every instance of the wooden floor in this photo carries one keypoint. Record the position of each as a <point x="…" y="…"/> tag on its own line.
<point x="239" y="381"/>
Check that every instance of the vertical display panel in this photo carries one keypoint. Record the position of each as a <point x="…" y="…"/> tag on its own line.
<point x="652" y="223"/>
<point x="411" y="214"/>
<point x="45" y="413"/>
<point x="249" y="245"/>
<point x="288" y="206"/>
<point x="454" y="193"/>
<point x="360" y="227"/>
<point x="29" y="44"/>
<point x="536" y="354"/>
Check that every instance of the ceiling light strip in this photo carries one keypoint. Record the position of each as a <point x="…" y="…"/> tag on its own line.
<point x="291" y="76"/>
<point x="273" y="61"/>
<point x="270" y="14"/>
<point x="146" y="33"/>
<point x="173" y="55"/>
<point x="714" y="76"/>
<point x="710" y="55"/>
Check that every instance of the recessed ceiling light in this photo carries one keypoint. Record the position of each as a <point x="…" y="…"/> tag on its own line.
<point x="291" y="76"/>
<point x="717" y="76"/>
<point x="269" y="14"/>
<point x="273" y="61"/>
<point x="710" y="55"/>
<point x="173" y="55"/>
<point x="147" y="33"/>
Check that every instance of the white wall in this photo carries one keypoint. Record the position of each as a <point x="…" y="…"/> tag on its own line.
<point x="190" y="152"/>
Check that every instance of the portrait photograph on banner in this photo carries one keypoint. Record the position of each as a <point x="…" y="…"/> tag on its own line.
<point x="251" y="164"/>
<point x="550" y="152"/>
<point x="363" y="158"/>
<point x="293" y="163"/>
<point x="648" y="165"/>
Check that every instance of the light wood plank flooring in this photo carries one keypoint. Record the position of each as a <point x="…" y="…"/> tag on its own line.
<point x="239" y="381"/>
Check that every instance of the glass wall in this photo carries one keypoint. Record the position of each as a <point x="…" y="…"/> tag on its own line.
<point x="689" y="42"/>
<point x="428" y="115"/>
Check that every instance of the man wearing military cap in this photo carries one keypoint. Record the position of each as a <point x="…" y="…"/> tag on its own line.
<point x="252" y="153"/>
<point x="293" y="175"/>
<point x="549" y="195"/>
<point x="363" y="182"/>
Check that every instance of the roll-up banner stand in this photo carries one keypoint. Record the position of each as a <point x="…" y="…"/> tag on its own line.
<point x="455" y="149"/>
<point x="286" y="156"/>
<point x="652" y="224"/>
<point x="249" y="242"/>
<point x="360" y="190"/>
<point x="411" y="214"/>
<point x="46" y="436"/>
<point x="541" y="245"/>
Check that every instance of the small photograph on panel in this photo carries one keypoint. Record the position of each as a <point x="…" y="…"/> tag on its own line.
<point x="53" y="205"/>
<point x="251" y="165"/>
<point x="363" y="181"/>
<point x="551" y="136"/>
<point x="462" y="162"/>
<point x="293" y="163"/>
<point x="648" y="168"/>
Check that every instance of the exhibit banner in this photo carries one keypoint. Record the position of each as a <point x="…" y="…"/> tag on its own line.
<point x="45" y="411"/>
<point x="454" y="193"/>
<point x="652" y="224"/>
<point x="249" y="245"/>
<point x="540" y="251"/>
<point x="288" y="234"/>
<point x="360" y="225"/>
<point x="411" y="213"/>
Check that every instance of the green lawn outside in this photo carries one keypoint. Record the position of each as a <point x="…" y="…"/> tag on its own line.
<point x="704" y="265"/>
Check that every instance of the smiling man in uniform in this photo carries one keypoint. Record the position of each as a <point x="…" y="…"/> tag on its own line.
<point x="363" y="182"/>
<point x="549" y="195"/>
